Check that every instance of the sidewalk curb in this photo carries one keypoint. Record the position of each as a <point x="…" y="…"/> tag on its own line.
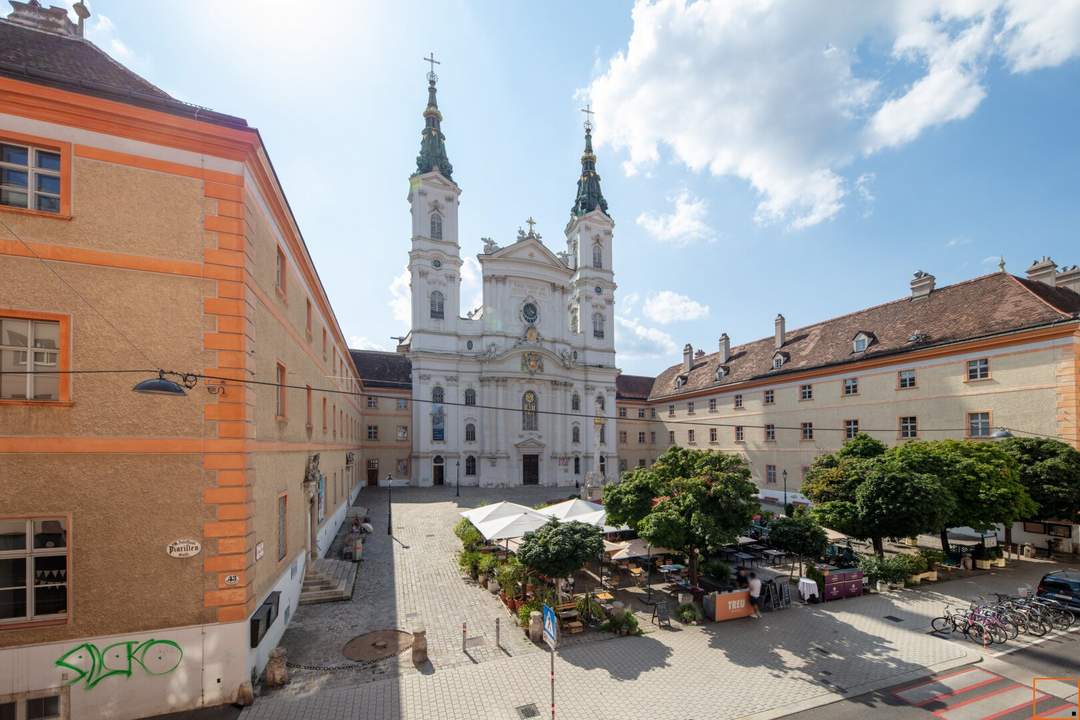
<point x="828" y="698"/>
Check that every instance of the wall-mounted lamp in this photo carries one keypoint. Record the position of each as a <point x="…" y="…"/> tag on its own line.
<point x="161" y="385"/>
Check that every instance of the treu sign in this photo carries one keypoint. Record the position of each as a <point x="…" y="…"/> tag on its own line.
<point x="183" y="548"/>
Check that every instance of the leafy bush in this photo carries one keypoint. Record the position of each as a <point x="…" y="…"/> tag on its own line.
<point x="487" y="564"/>
<point x="688" y="613"/>
<point x="509" y="574"/>
<point x="526" y="609"/>
<point x="817" y="576"/>
<point x="932" y="557"/>
<point x="589" y="608"/>
<point x="467" y="533"/>
<point x="717" y="569"/>
<point x="469" y="562"/>
<point x="891" y="569"/>
<point x="625" y="624"/>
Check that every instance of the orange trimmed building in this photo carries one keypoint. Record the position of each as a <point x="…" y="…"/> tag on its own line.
<point x="152" y="548"/>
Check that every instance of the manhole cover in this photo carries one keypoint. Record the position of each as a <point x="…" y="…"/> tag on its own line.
<point x="528" y="711"/>
<point x="893" y="618"/>
<point x="377" y="645"/>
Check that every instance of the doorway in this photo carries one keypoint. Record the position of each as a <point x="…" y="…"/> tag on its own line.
<point x="373" y="471"/>
<point x="530" y="469"/>
<point x="438" y="470"/>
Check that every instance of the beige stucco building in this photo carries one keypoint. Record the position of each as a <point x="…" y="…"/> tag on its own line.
<point x="152" y="547"/>
<point x="997" y="351"/>
<point x="386" y="435"/>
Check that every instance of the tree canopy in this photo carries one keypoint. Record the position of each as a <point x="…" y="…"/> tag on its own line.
<point x="688" y="500"/>
<point x="800" y="535"/>
<point x="557" y="549"/>
<point x="1050" y="471"/>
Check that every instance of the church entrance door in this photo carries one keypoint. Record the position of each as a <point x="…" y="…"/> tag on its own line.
<point x="530" y="469"/>
<point x="437" y="470"/>
<point x="373" y="476"/>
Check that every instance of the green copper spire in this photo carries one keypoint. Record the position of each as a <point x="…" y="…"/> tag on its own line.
<point x="589" y="196"/>
<point x="432" y="142"/>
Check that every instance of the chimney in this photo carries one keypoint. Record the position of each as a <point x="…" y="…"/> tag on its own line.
<point x="1044" y="271"/>
<point x="725" y="348"/>
<point x="687" y="357"/>
<point x="53" y="20"/>
<point x="781" y="336"/>
<point x="1069" y="277"/>
<point x="921" y="285"/>
<point x="83" y="13"/>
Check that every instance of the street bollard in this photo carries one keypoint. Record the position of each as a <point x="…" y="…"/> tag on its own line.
<point x="463" y="639"/>
<point x="498" y="644"/>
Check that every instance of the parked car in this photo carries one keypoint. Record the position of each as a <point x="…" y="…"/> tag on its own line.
<point x="1063" y="586"/>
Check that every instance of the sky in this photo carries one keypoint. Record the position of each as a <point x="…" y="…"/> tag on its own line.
<point x="758" y="157"/>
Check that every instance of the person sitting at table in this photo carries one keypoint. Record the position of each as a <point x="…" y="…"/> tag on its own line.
<point x="742" y="581"/>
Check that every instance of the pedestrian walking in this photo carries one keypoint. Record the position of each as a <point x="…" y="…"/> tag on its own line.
<point x="755" y="595"/>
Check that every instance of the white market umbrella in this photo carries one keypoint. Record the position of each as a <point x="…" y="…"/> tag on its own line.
<point x="639" y="548"/>
<point x="513" y="526"/>
<point x="571" y="509"/>
<point x="493" y="511"/>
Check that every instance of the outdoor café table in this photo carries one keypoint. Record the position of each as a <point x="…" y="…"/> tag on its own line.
<point x="775" y="557"/>
<point x="807" y="588"/>
<point x="745" y="558"/>
<point x="671" y="569"/>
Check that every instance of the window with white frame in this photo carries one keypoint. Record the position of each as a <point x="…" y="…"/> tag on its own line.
<point x="851" y="429"/>
<point x="860" y="343"/>
<point x="641" y="412"/>
<point x="671" y="410"/>
<point x="778" y="362"/>
<point x="909" y="427"/>
<point x="577" y="466"/>
<point x="437" y="305"/>
<point x="402" y="433"/>
<point x="373" y="464"/>
<point x="712" y="405"/>
<point x="769" y="397"/>
<point x="738" y="401"/>
<point x="598" y="325"/>
<point x="808" y="431"/>
<point x="597" y="255"/>
<point x="979" y="424"/>
<point x="34" y="706"/>
<point x="738" y="433"/>
<point x="402" y="404"/>
<point x="652" y="437"/>
<point x="690" y="408"/>
<point x="851" y="386"/>
<point x="622" y="437"/>
<point x="690" y="436"/>
<point x="641" y="438"/>
<point x="470" y="396"/>
<point x="622" y="412"/>
<point x="575" y="434"/>
<point x="806" y="392"/>
<point x="575" y="402"/>
<point x="30" y="351"/>
<point x="712" y="434"/>
<point x="603" y="435"/>
<point x="529" y="420"/>
<point x="600" y="402"/>
<point x="33" y="569"/>
<point x="905" y="379"/>
<point x="29" y="178"/>
<point x="372" y="401"/>
<point x="372" y="432"/>
<point x="671" y="437"/>
<point x="770" y="432"/>
<point x="470" y="466"/>
<point x="436" y="226"/>
<point x="770" y="474"/>
<point x="978" y="369"/>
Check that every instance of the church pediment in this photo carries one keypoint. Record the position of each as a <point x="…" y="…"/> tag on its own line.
<point x="530" y="444"/>
<point x="529" y="250"/>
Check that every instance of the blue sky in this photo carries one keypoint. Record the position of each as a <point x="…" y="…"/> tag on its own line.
<point x="757" y="158"/>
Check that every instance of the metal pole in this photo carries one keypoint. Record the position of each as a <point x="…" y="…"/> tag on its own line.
<point x="552" y="683"/>
<point x="498" y="642"/>
<point x="457" y="485"/>
<point x="390" y="504"/>
<point x="463" y="638"/>
<point x="785" y="492"/>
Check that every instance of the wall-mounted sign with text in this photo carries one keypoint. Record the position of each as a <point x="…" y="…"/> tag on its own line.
<point x="259" y="549"/>
<point x="183" y="548"/>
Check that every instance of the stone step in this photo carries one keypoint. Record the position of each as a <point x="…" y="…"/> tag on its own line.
<point x="328" y="580"/>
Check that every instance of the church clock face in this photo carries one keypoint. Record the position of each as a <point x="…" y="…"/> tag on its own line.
<point x="529" y="312"/>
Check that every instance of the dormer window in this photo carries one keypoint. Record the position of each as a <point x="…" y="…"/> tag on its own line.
<point x="436" y="226"/>
<point x="861" y="342"/>
<point x="778" y="360"/>
<point x="721" y="372"/>
<point x="680" y="381"/>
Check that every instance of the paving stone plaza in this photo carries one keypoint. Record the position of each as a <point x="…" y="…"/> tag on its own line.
<point x="790" y="660"/>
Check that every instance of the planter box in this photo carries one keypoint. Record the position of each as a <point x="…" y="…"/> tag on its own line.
<point x="982" y="564"/>
<point x="999" y="562"/>
<point x="930" y="575"/>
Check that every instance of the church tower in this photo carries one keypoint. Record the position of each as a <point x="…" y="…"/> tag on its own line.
<point x="589" y="247"/>
<point x="435" y="256"/>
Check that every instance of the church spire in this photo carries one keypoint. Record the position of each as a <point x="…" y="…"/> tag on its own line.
<point x="432" y="141"/>
<point x="589" y="196"/>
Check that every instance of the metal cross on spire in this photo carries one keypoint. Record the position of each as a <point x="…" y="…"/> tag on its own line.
<point x="433" y="62"/>
<point x="530" y="222"/>
<point x="588" y="115"/>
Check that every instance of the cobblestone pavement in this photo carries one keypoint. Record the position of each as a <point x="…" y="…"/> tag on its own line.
<point x="791" y="660"/>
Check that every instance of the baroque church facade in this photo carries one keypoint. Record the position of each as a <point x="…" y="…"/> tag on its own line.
<point x="519" y="391"/>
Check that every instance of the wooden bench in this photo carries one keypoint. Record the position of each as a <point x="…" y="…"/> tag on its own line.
<point x="567" y="613"/>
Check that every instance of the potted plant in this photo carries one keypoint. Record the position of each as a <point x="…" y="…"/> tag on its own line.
<point x="469" y="562"/>
<point x="932" y="558"/>
<point x="486" y="567"/>
<point x="981" y="558"/>
<point x="997" y="557"/>
<point x="688" y="614"/>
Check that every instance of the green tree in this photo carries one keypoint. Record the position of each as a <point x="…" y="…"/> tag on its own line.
<point x="688" y="500"/>
<point x="981" y="477"/>
<point x="833" y="479"/>
<point x="800" y="535"/>
<point x="894" y="502"/>
<point x="557" y="549"/>
<point x="1050" y="471"/>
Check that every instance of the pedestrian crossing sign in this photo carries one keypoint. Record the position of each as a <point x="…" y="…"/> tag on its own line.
<point x="551" y="626"/>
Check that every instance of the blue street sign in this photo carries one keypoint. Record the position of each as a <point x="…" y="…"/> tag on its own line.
<point x="551" y="627"/>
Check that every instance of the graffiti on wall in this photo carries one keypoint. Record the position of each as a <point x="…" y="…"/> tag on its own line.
<point x="92" y="664"/>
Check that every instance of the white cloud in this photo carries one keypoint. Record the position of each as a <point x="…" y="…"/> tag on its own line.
<point x="629" y="303"/>
<point x="666" y="307"/>
<point x="359" y="342"/>
<point x="401" y="299"/>
<point x="637" y="341"/>
<point x="958" y="241"/>
<point x="786" y="96"/>
<point x="684" y="225"/>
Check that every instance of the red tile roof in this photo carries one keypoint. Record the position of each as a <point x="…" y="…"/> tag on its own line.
<point x="981" y="307"/>
<point x="380" y="369"/>
<point x="633" y="387"/>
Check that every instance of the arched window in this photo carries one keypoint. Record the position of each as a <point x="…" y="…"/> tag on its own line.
<point x="577" y="466"/>
<point x="470" y="396"/>
<point x="600" y="402"/>
<point x="528" y="411"/>
<point x="603" y="436"/>
<point x="598" y="255"/>
<point x="575" y="434"/>
<point x="575" y="402"/>
<point x="436" y="226"/>
<point x="603" y="466"/>
<point x="470" y="433"/>
<point x="597" y="323"/>
<point x="573" y="320"/>
<point x="437" y="305"/>
<point x="437" y="395"/>
<point x="470" y="466"/>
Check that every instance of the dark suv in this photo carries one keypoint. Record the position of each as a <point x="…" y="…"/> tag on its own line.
<point x="1063" y="586"/>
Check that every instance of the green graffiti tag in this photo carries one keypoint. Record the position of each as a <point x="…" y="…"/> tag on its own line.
<point x="156" y="657"/>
